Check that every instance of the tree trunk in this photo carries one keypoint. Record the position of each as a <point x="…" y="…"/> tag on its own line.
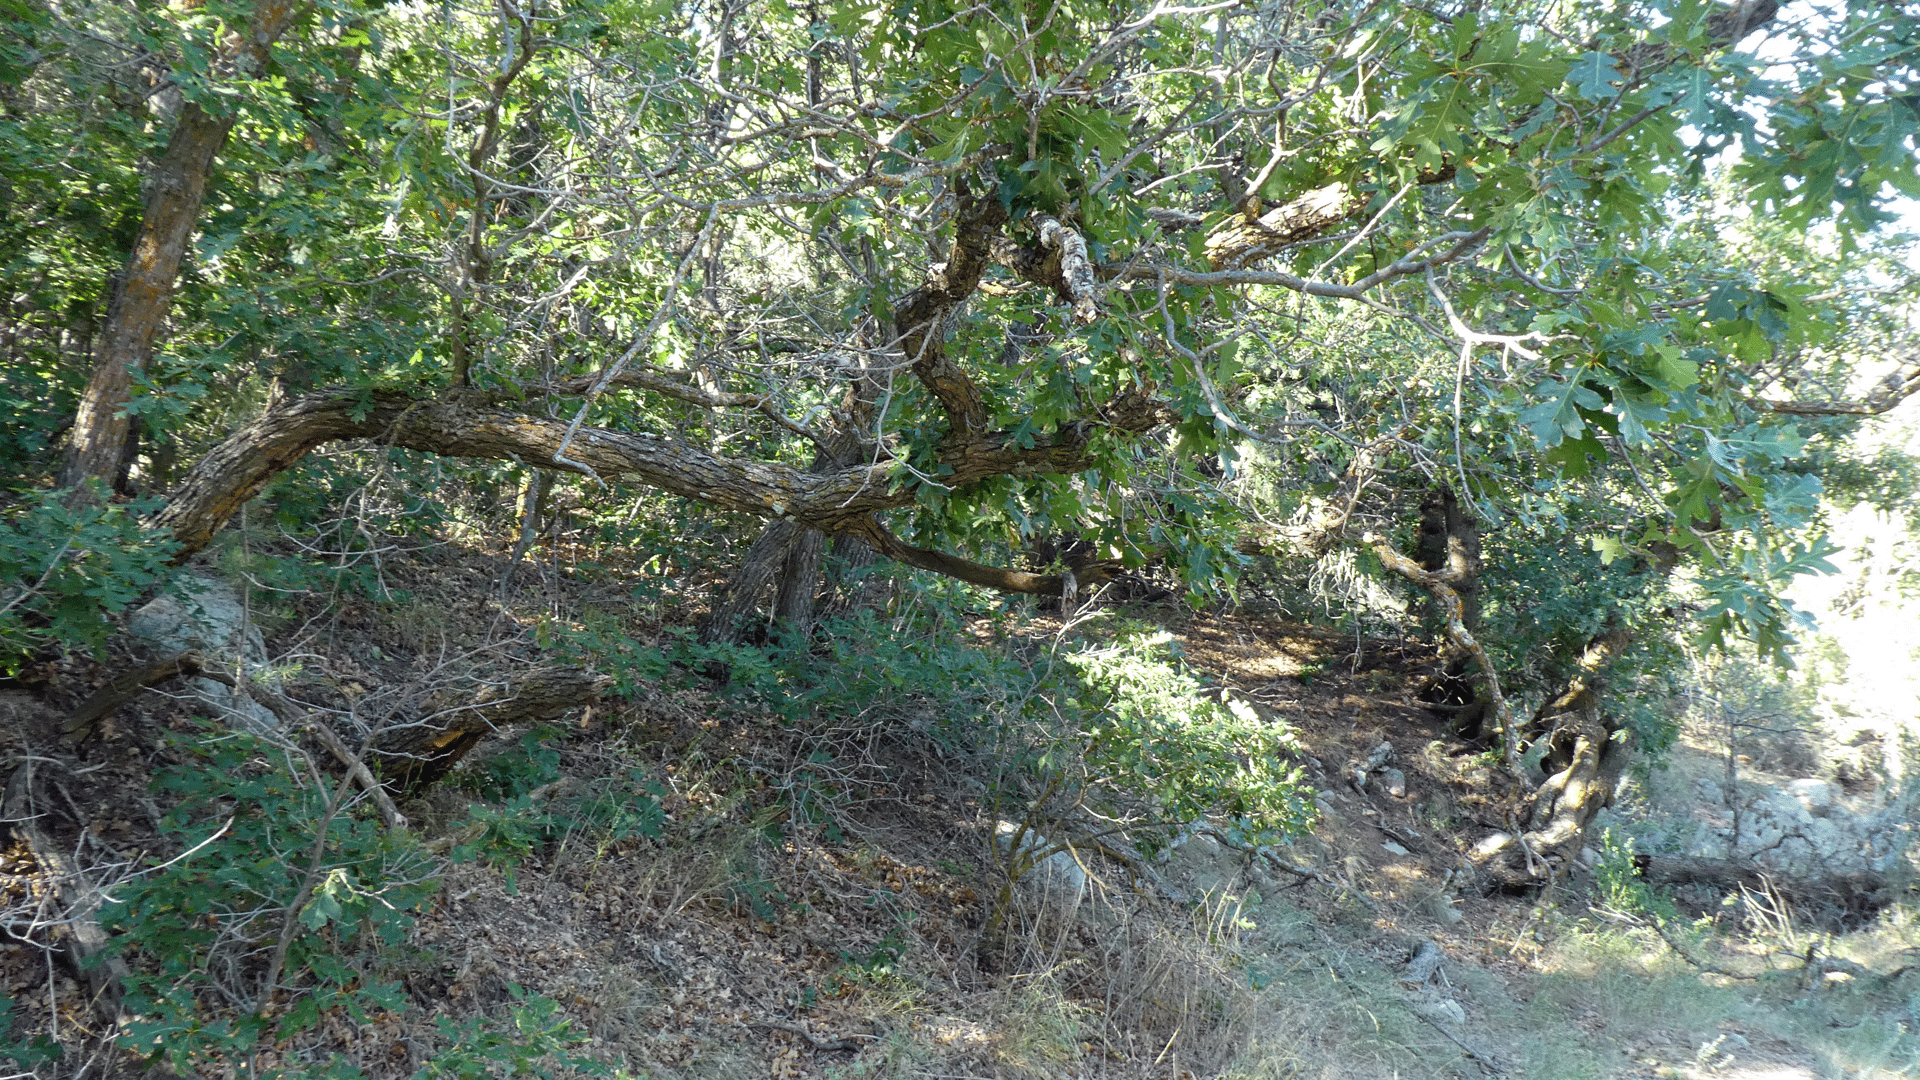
<point x="1574" y="738"/>
<point x="176" y="186"/>
<point x="851" y="584"/>
<point x="793" y="602"/>
<point x="734" y="603"/>
<point x="1495" y="713"/>
<point x="1450" y="542"/>
<point x="1449" y="545"/>
<point x="472" y="258"/>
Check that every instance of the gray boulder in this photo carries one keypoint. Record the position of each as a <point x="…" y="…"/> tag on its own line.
<point x="207" y="615"/>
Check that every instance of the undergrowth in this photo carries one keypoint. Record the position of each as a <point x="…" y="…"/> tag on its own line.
<point x="284" y="907"/>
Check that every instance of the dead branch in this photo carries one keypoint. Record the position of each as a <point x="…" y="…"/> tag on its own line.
<point x="79" y="898"/>
<point x="79" y="724"/>
<point x="296" y="718"/>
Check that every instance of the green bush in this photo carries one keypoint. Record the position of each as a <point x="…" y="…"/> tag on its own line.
<point x="1123" y="726"/>
<point x="1152" y="730"/>
<point x="611" y="809"/>
<point x="23" y="1052"/>
<point x="271" y="864"/>
<point x="62" y="569"/>
<point x="1618" y="884"/>
<point x="276" y="861"/>
<point x="538" y="1039"/>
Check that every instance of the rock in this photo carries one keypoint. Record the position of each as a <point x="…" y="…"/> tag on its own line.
<point x="1587" y="858"/>
<point x="1395" y="782"/>
<point x="207" y="615"/>
<point x="1785" y="807"/>
<point x="1379" y="758"/>
<point x="1442" y="1011"/>
<point x="1055" y="880"/>
<point x="1816" y="796"/>
<point x="1489" y="847"/>
<point x="1200" y="864"/>
<point x="1827" y="838"/>
<point x="1443" y="907"/>
<point x="1357" y="771"/>
<point x="1395" y="849"/>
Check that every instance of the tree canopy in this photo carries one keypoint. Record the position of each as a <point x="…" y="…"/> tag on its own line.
<point x="949" y="278"/>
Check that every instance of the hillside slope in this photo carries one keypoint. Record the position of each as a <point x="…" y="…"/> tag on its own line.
<point x="691" y="883"/>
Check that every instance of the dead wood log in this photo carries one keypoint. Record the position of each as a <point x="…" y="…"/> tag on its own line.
<point x="423" y="751"/>
<point x="296" y="719"/>
<point x="79" y="723"/>
<point x="1425" y="963"/>
<point x="1857" y="892"/>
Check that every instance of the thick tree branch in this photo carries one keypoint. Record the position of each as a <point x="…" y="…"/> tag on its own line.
<point x="1457" y="244"/>
<point x="1247" y="238"/>
<point x="1439" y="584"/>
<point x="662" y="383"/>
<point x="1897" y="387"/>
<point x="991" y="577"/>
<point x="463" y="424"/>
<point x="1060" y="263"/>
<point x="236" y="470"/>
<point x="78" y="724"/>
<point x="420" y="752"/>
<point x="920" y="320"/>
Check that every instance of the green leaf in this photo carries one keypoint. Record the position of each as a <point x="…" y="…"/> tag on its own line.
<point x="1593" y="76"/>
<point x="1557" y="416"/>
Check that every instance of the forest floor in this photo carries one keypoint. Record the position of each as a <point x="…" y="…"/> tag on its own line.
<point x="813" y="900"/>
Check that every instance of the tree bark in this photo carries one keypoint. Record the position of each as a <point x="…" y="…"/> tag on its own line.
<point x="177" y="185"/>
<point x="418" y="753"/>
<point x="793" y="601"/>
<point x="734" y="603"/>
<point x="1856" y="893"/>
<point x="145" y="295"/>
<point x="1449" y="545"/>
<point x="459" y="424"/>
<point x="920" y="320"/>
<point x="1250" y="237"/>
<point x="1450" y="542"/>
<point x="1440" y="585"/>
<point x="1579" y="744"/>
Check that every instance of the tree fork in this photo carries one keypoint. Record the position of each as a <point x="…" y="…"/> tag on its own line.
<point x="1590" y="761"/>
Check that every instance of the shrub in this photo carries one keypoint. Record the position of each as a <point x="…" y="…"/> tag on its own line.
<point x="1152" y="730"/>
<point x="62" y="569"/>
<point x="272" y="916"/>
